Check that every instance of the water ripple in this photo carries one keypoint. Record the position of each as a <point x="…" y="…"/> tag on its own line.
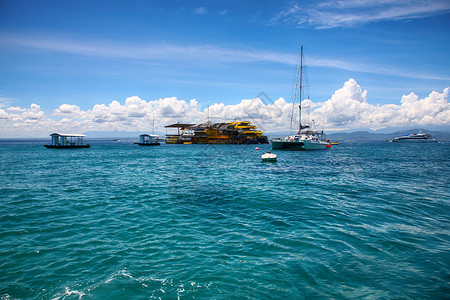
<point x="199" y="221"/>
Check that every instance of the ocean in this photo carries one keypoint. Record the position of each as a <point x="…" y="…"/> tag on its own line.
<point x="363" y="220"/>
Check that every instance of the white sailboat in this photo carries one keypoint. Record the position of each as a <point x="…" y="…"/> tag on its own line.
<point x="306" y="138"/>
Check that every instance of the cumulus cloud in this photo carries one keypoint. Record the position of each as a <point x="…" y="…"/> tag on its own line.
<point x="67" y="109"/>
<point x="70" y="111"/>
<point x="347" y="108"/>
<point x="34" y="113"/>
<point x="3" y="114"/>
<point x="347" y="105"/>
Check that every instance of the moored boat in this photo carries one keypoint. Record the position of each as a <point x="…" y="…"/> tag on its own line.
<point x="67" y="141"/>
<point x="306" y="138"/>
<point x="269" y="157"/>
<point x="148" y="140"/>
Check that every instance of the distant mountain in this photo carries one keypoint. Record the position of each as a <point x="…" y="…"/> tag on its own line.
<point x="337" y="136"/>
<point x="116" y="134"/>
<point x="374" y="136"/>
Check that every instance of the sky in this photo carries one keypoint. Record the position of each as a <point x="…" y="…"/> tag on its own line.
<point x="82" y="66"/>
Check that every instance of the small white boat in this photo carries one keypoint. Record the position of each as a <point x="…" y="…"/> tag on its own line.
<point x="269" y="157"/>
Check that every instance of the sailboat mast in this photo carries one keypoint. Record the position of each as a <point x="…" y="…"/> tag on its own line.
<point x="153" y="131"/>
<point x="296" y="88"/>
<point x="300" y="92"/>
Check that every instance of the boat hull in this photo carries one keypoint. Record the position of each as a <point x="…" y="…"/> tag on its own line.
<point x="293" y="145"/>
<point x="269" y="159"/>
<point x="311" y="145"/>
<point x="67" y="146"/>
<point x="300" y="145"/>
<point x="148" y="144"/>
<point x="415" y="141"/>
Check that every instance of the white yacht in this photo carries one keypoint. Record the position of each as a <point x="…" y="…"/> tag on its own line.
<point x="416" y="137"/>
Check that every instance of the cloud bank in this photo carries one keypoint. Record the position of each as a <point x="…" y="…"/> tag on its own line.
<point x="347" y="108"/>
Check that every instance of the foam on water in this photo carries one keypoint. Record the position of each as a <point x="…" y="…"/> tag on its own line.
<point x="118" y="221"/>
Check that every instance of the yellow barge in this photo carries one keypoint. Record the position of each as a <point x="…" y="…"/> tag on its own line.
<point x="237" y="132"/>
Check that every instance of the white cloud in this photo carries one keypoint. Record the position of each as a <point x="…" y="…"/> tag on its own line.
<point x="3" y="114"/>
<point x="34" y="113"/>
<point x="347" y="105"/>
<point x="15" y="108"/>
<point x="347" y="13"/>
<point x="148" y="52"/>
<point x="67" y="109"/>
<point x="348" y="108"/>
<point x="70" y="111"/>
<point x="201" y="11"/>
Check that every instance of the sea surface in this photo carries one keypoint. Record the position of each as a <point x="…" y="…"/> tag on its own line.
<point x="368" y="220"/>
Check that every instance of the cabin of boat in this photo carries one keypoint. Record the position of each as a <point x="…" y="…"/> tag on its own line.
<point x="67" y="141"/>
<point x="148" y="140"/>
<point x="184" y="133"/>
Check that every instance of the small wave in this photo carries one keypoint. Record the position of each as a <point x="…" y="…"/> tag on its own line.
<point x="121" y="273"/>
<point x="69" y="293"/>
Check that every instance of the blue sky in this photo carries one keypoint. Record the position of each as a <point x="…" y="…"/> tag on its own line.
<point x="85" y="53"/>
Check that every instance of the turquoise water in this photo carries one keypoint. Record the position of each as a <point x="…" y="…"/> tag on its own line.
<point x="118" y="221"/>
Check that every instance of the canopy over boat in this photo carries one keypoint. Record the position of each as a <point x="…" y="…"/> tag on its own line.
<point x="150" y="135"/>
<point x="179" y="125"/>
<point x="68" y="134"/>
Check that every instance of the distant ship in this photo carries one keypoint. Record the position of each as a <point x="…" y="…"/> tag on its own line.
<point x="307" y="138"/>
<point x="416" y="137"/>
